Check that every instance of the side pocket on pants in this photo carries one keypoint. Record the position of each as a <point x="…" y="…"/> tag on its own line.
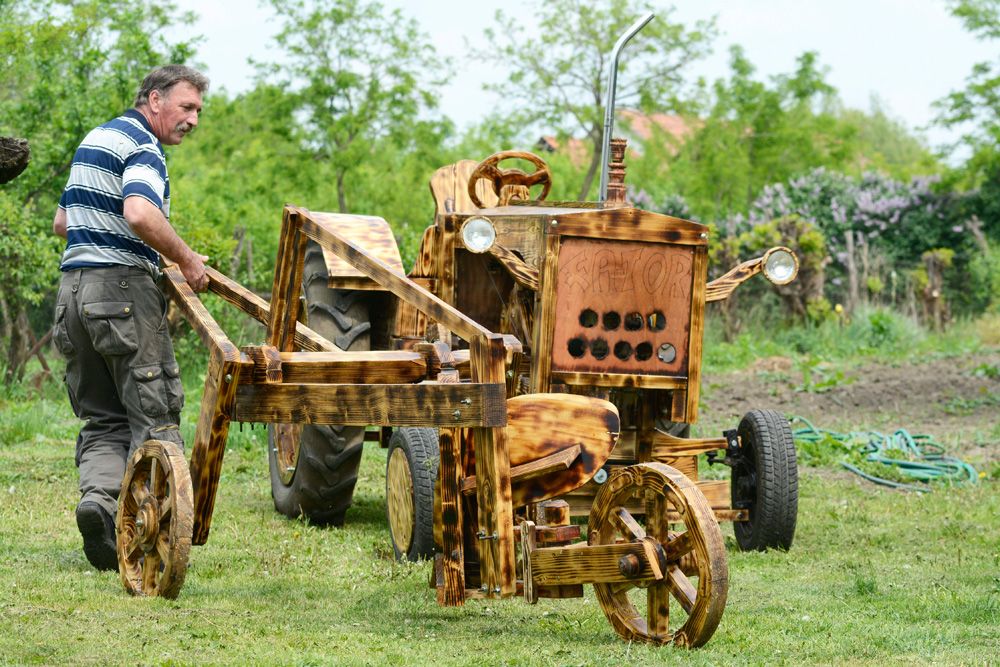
<point x="152" y="392"/>
<point x="59" y="333"/>
<point x="175" y="390"/>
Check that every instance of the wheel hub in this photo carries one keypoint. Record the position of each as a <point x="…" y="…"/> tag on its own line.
<point x="147" y="523"/>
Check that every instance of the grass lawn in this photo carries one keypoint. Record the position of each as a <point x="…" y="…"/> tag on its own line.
<point x="874" y="576"/>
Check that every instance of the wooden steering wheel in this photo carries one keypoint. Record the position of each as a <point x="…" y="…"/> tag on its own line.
<point x="501" y="178"/>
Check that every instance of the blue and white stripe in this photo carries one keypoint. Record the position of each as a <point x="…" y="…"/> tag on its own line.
<point x="119" y="159"/>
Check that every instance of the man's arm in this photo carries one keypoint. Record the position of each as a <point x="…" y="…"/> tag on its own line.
<point x="59" y="222"/>
<point x="150" y="225"/>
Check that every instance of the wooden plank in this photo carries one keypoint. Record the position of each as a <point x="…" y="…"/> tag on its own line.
<point x="367" y="231"/>
<point x="259" y="309"/>
<point x="723" y="286"/>
<point x="451" y="592"/>
<point x="522" y="274"/>
<point x="545" y="317"/>
<point x="426" y="404"/>
<point x="553" y="566"/>
<point x="217" y="403"/>
<point x="376" y="367"/>
<point x="528" y="546"/>
<point x="197" y="315"/>
<point x="699" y="272"/>
<point x="716" y="492"/>
<point x="401" y="286"/>
<point x="496" y="513"/>
<point x="287" y="283"/>
<point x="619" y="380"/>
<point x="629" y="224"/>
<point x="666" y="445"/>
<point x="559" y="461"/>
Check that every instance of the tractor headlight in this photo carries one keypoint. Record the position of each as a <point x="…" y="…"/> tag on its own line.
<point x="780" y="266"/>
<point x="478" y="234"/>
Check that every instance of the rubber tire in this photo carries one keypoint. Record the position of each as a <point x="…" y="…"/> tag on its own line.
<point x="420" y="446"/>
<point x="766" y="441"/>
<point x="322" y="486"/>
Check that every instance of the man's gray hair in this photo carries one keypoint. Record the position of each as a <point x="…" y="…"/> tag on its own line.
<point x="164" y="78"/>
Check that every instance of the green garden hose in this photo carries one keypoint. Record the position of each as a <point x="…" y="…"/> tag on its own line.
<point x="915" y="457"/>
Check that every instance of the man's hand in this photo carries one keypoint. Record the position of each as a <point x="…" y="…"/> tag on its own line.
<point x="194" y="271"/>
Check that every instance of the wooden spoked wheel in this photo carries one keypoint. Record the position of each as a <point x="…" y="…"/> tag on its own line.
<point x="692" y="560"/>
<point x="399" y="501"/>
<point x="155" y="520"/>
<point x="499" y="178"/>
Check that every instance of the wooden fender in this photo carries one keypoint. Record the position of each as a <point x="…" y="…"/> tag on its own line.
<point x="369" y="232"/>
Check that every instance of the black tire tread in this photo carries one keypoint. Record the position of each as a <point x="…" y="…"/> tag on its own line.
<point x="774" y="510"/>
<point x="326" y="472"/>
<point x="423" y="454"/>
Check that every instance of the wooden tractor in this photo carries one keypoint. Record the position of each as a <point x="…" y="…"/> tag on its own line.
<point x="541" y="361"/>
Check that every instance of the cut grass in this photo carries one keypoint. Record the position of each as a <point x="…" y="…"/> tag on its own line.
<point x="873" y="576"/>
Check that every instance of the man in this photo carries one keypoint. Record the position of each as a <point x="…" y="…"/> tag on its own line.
<point x="110" y="319"/>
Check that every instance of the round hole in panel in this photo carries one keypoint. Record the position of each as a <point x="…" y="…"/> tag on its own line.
<point x="623" y="350"/>
<point x="611" y="320"/>
<point x="657" y="321"/>
<point x="643" y="351"/>
<point x="576" y="347"/>
<point x="633" y="322"/>
<point x="599" y="348"/>
<point x="667" y="353"/>
<point x="588" y="318"/>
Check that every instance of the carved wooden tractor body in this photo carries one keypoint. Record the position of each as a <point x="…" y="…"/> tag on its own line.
<point x="542" y="360"/>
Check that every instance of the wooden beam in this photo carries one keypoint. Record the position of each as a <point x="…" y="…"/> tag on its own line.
<point x="620" y="380"/>
<point x="667" y="446"/>
<point x="287" y="283"/>
<point x="496" y="512"/>
<point x="388" y="367"/>
<point x="723" y="286"/>
<point x="380" y="272"/>
<point x="425" y="404"/>
<point x="699" y="274"/>
<point x="195" y="312"/>
<point x="552" y="566"/>
<point x="259" y="309"/>
<point x="451" y="592"/>
<point x="217" y="403"/>
<point x="629" y="224"/>
<point x="561" y="460"/>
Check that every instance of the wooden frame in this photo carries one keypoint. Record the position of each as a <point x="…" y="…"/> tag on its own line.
<point x="276" y="382"/>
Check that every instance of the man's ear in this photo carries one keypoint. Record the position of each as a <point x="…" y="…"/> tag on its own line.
<point x="155" y="99"/>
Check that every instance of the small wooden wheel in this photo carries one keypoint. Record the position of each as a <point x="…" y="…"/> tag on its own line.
<point x="399" y="501"/>
<point x="696" y="552"/>
<point x="488" y="170"/>
<point x="155" y="520"/>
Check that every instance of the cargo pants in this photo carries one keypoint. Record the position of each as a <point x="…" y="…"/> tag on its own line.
<point x="121" y="374"/>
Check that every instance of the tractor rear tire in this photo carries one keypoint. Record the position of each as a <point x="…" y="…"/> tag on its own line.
<point x="767" y="483"/>
<point x="410" y="472"/>
<point x="321" y="486"/>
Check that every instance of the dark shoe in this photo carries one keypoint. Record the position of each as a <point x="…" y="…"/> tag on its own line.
<point x="98" y="530"/>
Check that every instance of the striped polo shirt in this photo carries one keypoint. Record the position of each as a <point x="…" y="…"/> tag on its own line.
<point x="119" y="159"/>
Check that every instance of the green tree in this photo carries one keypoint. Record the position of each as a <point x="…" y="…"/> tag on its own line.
<point x="755" y="133"/>
<point x="559" y="77"/>
<point x="65" y="67"/>
<point x="359" y="75"/>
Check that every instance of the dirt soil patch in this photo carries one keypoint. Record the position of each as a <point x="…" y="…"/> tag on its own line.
<point x="956" y="400"/>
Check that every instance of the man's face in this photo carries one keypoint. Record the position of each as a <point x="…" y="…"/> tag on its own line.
<point x="175" y="113"/>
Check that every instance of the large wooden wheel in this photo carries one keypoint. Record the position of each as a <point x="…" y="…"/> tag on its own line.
<point x="155" y="520"/>
<point x="692" y="560"/>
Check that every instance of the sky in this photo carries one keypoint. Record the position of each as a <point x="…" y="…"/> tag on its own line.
<point x="907" y="53"/>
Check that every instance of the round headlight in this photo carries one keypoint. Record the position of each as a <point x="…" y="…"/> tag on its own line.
<point x="478" y="234"/>
<point x="780" y="266"/>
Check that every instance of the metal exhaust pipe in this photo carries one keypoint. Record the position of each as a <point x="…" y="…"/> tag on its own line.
<point x="609" y="104"/>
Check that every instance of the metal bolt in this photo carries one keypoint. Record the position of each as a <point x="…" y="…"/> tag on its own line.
<point x="466" y="401"/>
<point x="457" y="414"/>
<point x="496" y="590"/>
<point x="484" y="588"/>
<point x="553" y="222"/>
<point x="229" y="378"/>
<point x="704" y="235"/>
<point x="139" y="523"/>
